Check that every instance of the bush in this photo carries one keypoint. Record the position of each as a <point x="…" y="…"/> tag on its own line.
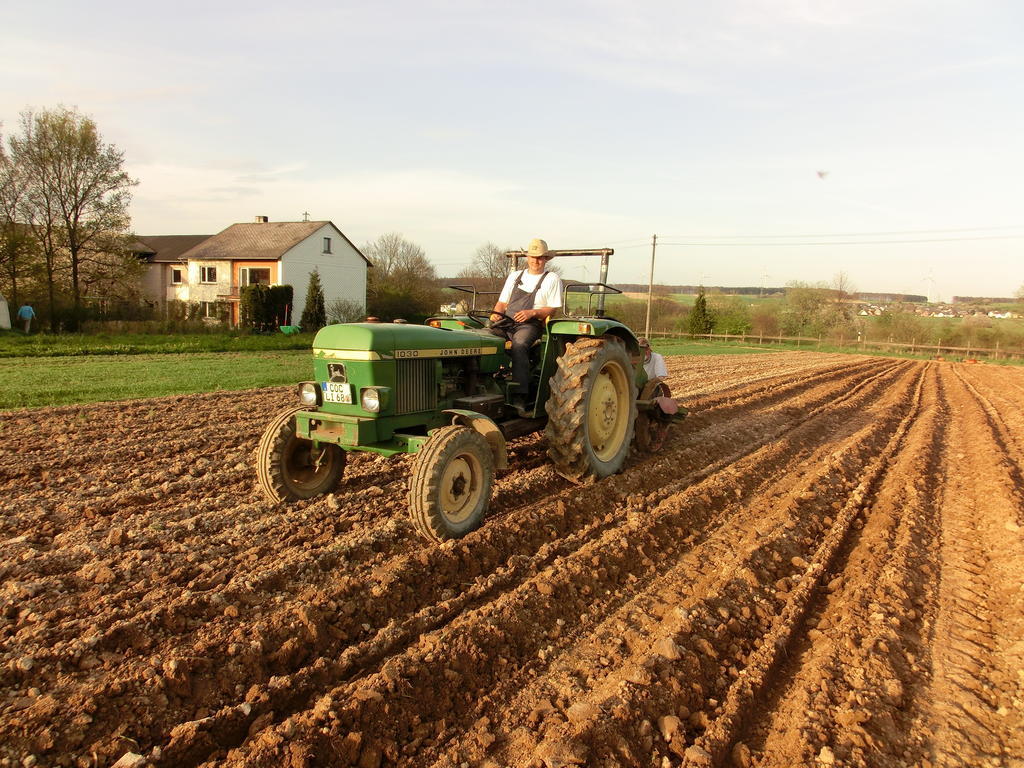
<point x="263" y="308"/>
<point x="344" y="311"/>
<point x="253" y="303"/>
<point x="280" y="304"/>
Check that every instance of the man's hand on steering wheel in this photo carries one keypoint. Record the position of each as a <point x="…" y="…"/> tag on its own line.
<point x="482" y="315"/>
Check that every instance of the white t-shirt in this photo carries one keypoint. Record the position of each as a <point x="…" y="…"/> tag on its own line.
<point x="549" y="295"/>
<point x="655" y="367"/>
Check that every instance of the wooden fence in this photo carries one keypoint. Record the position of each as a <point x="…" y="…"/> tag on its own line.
<point x="862" y="345"/>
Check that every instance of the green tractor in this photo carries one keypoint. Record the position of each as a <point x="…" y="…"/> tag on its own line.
<point x="443" y="391"/>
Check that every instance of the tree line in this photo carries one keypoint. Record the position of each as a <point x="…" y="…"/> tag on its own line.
<point x="64" y="223"/>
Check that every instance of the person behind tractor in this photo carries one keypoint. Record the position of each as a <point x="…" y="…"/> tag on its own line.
<point x="26" y="314"/>
<point x="530" y="296"/>
<point x="654" y="363"/>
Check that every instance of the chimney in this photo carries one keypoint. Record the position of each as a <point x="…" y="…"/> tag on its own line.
<point x="262" y="219"/>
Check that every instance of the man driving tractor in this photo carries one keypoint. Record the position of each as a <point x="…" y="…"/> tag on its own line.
<point x="530" y="296"/>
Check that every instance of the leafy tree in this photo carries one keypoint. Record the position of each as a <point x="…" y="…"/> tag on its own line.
<point x="314" y="315"/>
<point x="75" y="200"/>
<point x="811" y="310"/>
<point x="700" y="320"/>
<point x="729" y="314"/>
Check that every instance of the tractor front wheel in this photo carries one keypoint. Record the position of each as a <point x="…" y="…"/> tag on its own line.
<point x="451" y="483"/>
<point x="591" y="410"/>
<point x="290" y="468"/>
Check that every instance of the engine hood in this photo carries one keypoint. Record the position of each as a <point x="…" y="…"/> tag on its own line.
<point x="389" y="341"/>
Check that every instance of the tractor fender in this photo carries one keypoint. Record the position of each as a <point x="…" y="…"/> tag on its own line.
<point x="486" y="427"/>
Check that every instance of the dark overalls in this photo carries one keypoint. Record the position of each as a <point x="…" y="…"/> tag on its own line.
<point x="522" y="335"/>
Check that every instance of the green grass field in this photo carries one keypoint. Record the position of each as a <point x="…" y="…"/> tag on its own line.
<point x="77" y="372"/>
<point x="679" y="347"/>
<point x="76" y="377"/>
<point x="14" y="344"/>
<point x="32" y="382"/>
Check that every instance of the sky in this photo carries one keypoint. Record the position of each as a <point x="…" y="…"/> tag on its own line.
<point x="764" y="142"/>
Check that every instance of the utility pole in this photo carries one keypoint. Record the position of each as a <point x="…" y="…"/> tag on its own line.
<point x="650" y="287"/>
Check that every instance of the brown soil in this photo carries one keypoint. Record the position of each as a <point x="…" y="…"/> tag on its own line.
<point x="824" y="566"/>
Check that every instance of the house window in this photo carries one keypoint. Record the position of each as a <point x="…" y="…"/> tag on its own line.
<point x="327" y="245"/>
<point x="208" y="309"/>
<point x="175" y="277"/>
<point x="254" y="276"/>
<point x="208" y="274"/>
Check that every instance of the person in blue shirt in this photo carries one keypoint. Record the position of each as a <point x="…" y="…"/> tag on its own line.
<point x="26" y="314"/>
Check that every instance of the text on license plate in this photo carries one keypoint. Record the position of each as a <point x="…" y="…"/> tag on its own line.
<point x="336" y="391"/>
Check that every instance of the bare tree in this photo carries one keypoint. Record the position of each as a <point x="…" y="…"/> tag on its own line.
<point x="402" y="280"/>
<point x="77" y="196"/>
<point x="843" y="286"/>
<point x="489" y="267"/>
<point x="16" y="244"/>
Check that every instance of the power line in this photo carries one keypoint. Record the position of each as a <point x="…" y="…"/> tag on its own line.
<point x="856" y="234"/>
<point x="847" y="242"/>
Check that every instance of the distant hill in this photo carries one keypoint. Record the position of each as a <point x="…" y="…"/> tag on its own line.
<point x="745" y="290"/>
<point x="887" y="298"/>
<point x="983" y="300"/>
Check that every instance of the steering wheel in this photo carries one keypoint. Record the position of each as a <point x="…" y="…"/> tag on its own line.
<point x="482" y="315"/>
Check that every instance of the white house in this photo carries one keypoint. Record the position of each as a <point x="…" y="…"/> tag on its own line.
<point x="165" y="276"/>
<point x="5" y="314"/>
<point x="269" y="253"/>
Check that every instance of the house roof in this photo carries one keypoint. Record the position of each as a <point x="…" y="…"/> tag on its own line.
<point x="260" y="240"/>
<point x="165" y="248"/>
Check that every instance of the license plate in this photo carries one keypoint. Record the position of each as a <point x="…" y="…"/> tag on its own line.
<point x="336" y="392"/>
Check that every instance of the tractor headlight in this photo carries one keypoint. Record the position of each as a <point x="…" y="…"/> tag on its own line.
<point x="309" y="394"/>
<point x="374" y="399"/>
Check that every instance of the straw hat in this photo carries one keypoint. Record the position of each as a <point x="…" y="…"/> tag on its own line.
<point x="538" y="248"/>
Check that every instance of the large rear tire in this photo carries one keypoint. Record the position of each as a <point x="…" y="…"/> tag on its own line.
<point x="591" y="410"/>
<point x="290" y="468"/>
<point x="451" y="483"/>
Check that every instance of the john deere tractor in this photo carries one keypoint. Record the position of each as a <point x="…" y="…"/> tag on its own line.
<point x="444" y="391"/>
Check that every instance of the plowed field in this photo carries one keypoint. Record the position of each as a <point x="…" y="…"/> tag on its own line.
<point x="824" y="566"/>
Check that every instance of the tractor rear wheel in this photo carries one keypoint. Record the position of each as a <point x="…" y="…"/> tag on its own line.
<point x="591" y="410"/>
<point x="290" y="468"/>
<point x="451" y="483"/>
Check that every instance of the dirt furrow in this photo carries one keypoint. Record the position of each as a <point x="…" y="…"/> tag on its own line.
<point x="843" y="691"/>
<point x="152" y="603"/>
<point x="540" y="608"/>
<point x="178" y="617"/>
<point x="974" y="708"/>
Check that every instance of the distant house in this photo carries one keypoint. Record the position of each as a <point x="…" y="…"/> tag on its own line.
<point x="164" y="277"/>
<point x="215" y="268"/>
